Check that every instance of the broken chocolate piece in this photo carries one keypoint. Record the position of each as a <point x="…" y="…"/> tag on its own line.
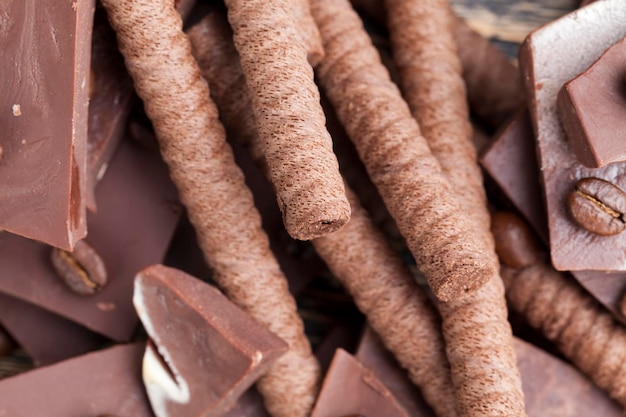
<point x="44" y="86"/>
<point x="250" y="404"/>
<point x="6" y="342"/>
<point x="592" y="108"/>
<point x="208" y="351"/>
<point x="351" y="389"/>
<point x="99" y="383"/>
<point x="136" y="218"/>
<point x="568" y="39"/>
<point x="109" y="105"/>
<point x="45" y="336"/>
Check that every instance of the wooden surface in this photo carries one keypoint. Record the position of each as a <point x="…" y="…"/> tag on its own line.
<point x="507" y="22"/>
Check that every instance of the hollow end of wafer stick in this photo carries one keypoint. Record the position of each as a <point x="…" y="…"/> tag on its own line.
<point x="462" y="281"/>
<point x="304" y="226"/>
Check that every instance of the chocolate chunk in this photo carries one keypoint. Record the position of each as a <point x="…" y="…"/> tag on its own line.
<point x="592" y="108"/>
<point x="99" y="383"/>
<point x="351" y="389"/>
<point x="7" y="344"/>
<point x="109" y="104"/>
<point x="46" y="337"/>
<point x="541" y="58"/>
<point x="44" y="83"/>
<point x="553" y="388"/>
<point x="509" y="161"/>
<point x="208" y="351"/>
<point x="250" y="404"/>
<point x="136" y="218"/>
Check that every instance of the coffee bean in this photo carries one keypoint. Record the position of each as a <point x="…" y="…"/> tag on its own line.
<point x="516" y="245"/>
<point x="598" y="206"/>
<point x="82" y="270"/>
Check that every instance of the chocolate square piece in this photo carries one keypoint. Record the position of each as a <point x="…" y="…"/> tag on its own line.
<point x="107" y="382"/>
<point x="551" y="56"/>
<point x="44" y="85"/>
<point x="137" y="215"/>
<point x="592" y="108"/>
<point x="45" y="336"/>
<point x="206" y="351"/>
<point x="350" y="389"/>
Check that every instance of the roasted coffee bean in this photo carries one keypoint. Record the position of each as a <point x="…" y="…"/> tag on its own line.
<point x="515" y="244"/>
<point x="598" y="206"/>
<point x="82" y="270"/>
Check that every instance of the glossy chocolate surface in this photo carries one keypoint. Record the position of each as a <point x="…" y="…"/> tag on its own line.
<point x="136" y="218"/>
<point x="208" y="348"/>
<point x="44" y="83"/>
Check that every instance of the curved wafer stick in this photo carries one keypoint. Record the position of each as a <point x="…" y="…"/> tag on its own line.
<point x="219" y="205"/>
<point x="430" y="71"/>
<point x="580" y="327"/>
<point x="298" y="148"/>
<point x="379" y="282"/>
<point x="440" y="235"/>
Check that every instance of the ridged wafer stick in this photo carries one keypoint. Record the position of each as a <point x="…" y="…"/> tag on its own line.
<point x="192" y="142"/>
<point x="442" y="238"/>
<point x="494" y="86"/>
<point x="298" y="148"/>
<point x="373" y="274"/>
<point x="554" y="303"/>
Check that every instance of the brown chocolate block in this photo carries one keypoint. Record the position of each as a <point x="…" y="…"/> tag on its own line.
<point x="44" y="336"/>
<point x="206" y="351"/>
<point x="351" y="389"/>
<point x="7" y="344"/>
<point x="592" y="109"/>
<point x="553" y="388"/>
<point x="250" y="404"/>
<point x="107" y="382"/>
<point x="44" y="85"/>
<point x="109" y="104"/>
<point x="136" y="218"/>
<point x="510" y="162"/>
<point x="578" y="39"/>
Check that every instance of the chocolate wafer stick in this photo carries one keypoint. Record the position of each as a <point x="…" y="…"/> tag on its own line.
<point x="552" y="302"/>
<point x="443" y="240"/>
<point x="219" y="205"/>
<point x="380" y="284"/>
<point x="298" y="148"/>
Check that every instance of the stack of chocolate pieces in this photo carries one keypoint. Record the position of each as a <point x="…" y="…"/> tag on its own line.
<point x="109" y="306"/>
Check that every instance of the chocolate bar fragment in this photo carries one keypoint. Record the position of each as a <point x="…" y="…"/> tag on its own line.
<point x="572" y="246"/>
<point x="351" y="389"/>
<point x="46" y="337"/>
<point x="136" y="218"/>
<point x="592" y="109"/>
<point x="109" y="104"/>
<point x="107" y="382"/>
<point x="44" y="86"/>
<point x="7" y="344"/>
<point x="206" y="351"/>
<point x="250" y="404"/>
<point x="511" y="162"/>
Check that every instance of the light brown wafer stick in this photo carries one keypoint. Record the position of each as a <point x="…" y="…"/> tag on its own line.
<point x="494" y="86"/>
<point x="379" y="282"/>
<point x="445" y="244"/>
<point x="310" y="33"/>
<point x="552" y="302"/>
<point x="430" y="72"/>
<point x="298" y="148"/>
<point x="219" y="205"/>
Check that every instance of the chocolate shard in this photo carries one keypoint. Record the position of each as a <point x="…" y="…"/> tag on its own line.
<point x="250" y="404"/>
<point x="46" y="337"/>
<point x="206" y="351"/>
<point x="578" y="39"/>
<point x="44" y="83"/>
<point x="511" y="162"/>
<point x="109" y="104"/>
<point x="351" y="389"/>
<point x="553" y="388"/>
<point x="592" y="108"/>
<point x="107" y="382"/>
<point x="136" y="219"/>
